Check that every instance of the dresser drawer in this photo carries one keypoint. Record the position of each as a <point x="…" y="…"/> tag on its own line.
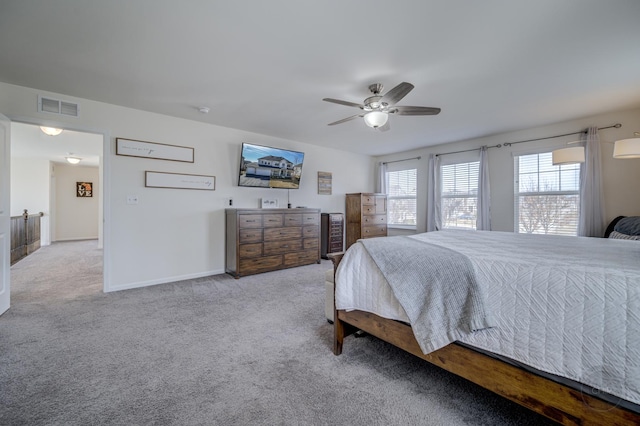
<point x="250" y="221"/>
<point x="300" y="258"/>
<point x="374" y="219"/>
<point x="336" y="232"/>
<point x="311" y="243"/>
<point x="374" y="231"/>
<point x="275" y="247"/>
<point x="335" y="246"/>
<point x="250" y="250"/>
<point x="336" y="239"/>
<point x="310" y="219"/>
<point x="275" y="234"/>
<point x="369" y="209"/>
<point x="272" y="220"/>
<point x="310" y="231"/>
<point x="259" y="264"/>
<point x="293" y="219"/>
<point x="250" y="235"/>
<point x="368" y="200"/>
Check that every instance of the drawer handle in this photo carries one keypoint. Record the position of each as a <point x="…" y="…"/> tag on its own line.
<point x="273" y="220"/>
<point x="285" y="246"/>
<point x="253" y="220"/>
<point x="283" y="233"/>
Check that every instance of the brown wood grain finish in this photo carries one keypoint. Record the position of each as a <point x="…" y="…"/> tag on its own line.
<point x="556" y="401"/>
<point x="274" y="234"/>
<point x="260" y="240"/>
<point x="276" y="247"/>
<point x="366" y="216"/>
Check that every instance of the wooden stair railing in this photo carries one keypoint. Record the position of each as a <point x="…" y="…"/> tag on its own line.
<point x="25" y="235"/>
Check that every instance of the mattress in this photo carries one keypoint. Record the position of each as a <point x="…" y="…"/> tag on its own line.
<point x="568" y="306"/>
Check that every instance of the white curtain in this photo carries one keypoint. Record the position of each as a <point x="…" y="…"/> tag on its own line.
<point x="483" y="220"/>
<point x="381" y="178"/>
<point x="434" y="219"/>
<point x="591" y="221"/>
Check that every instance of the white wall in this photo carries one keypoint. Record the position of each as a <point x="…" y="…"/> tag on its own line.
<point x="76" y="218"/>
<point x="621" y="177"/>
<point x="178" y="234"/>
<point x="30" y="190"/>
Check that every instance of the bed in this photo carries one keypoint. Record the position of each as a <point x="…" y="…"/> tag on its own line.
<point x="560" y="333"/>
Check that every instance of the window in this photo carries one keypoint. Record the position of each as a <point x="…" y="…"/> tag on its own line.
<point x="547" y="197"/>
<point x="401" y="198"/>
<point x="459" y="195"/>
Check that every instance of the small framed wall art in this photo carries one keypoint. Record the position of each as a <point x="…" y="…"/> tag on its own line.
<point x="84" y="189"/>
<point x="324" y="183"/>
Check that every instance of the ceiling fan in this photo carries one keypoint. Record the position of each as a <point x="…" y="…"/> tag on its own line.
<point x="376" y="108"/>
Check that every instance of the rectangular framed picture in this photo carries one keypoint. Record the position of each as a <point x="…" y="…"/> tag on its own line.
<point x="84" y="189"/>
<point x="156" y="151"/>
<point x="179" y="181"/>
<point x="324" y="183"/>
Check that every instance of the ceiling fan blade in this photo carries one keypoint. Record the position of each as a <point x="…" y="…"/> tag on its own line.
<point x="414" y="110"/>
<point x="345" y="119"/>
<point x="394" y="95"/>
<point x="346" y="103"/>
<point x="384" y="128"/>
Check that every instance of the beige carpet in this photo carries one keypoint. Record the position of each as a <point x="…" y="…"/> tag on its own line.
<point x="210" y="351"/>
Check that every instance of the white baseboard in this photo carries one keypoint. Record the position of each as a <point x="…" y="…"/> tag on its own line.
<point x="166" y="280"/>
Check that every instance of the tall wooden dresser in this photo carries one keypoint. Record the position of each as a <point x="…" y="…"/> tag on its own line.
<point x="262" y="240"/>
<point x="366" y="216"/>
<point x="331" y="233"/>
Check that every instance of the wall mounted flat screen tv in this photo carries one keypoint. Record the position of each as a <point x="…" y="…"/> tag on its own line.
<point x="267" y="167"/>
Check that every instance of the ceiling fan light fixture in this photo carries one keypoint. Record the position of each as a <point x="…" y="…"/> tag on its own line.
<point x="627" y="148"/>
<point x="376" y="119"/>
<point x="51" y="131"/>
<point x="572" y="155"/>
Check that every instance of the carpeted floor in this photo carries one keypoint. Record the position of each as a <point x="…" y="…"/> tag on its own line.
<point x="209" y="351"/>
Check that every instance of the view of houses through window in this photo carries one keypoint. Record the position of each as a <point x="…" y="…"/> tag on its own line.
<point x="547" y="197"/>
<point x="459" y="195"/>
<point x="401" y="197"/>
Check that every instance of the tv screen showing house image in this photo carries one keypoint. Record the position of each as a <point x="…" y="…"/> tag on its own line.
<point x="267" y="167"/>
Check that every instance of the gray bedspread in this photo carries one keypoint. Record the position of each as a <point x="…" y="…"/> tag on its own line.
<point x="436" y="286"/>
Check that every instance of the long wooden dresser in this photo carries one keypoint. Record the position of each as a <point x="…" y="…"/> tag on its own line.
<point x="366" y="216"/>
<point x="263" y="240"/>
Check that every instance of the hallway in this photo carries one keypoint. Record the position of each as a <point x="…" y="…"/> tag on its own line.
<point x="57" y="272"/>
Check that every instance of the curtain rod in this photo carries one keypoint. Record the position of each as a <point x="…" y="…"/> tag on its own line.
<point x="397" y="161"/>
<point x="617" y="126"/>
<point x="467" y="150"/>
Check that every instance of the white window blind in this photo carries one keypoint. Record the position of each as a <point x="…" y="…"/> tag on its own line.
<point x="547" y="197"/>
<point x="459" y="194"/>
<point x="401" y="197"/>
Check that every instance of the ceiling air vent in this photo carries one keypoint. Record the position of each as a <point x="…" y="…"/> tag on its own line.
<point x="56" y="106"/>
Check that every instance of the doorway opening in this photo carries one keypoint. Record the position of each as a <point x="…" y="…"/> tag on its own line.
<point x="62" y="177"/>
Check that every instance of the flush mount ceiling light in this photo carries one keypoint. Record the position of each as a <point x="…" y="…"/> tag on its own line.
<point x="73" y="160"/>
<point x="627" y="148"/>
<point x="571" y="155"/>
<point x="376" y="119"/>
<point x="51" y="131"/>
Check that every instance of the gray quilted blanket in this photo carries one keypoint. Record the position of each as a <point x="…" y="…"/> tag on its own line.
<point x="436" y="286"/>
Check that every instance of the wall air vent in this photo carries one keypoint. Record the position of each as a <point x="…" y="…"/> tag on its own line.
<point x="56" y="106"/>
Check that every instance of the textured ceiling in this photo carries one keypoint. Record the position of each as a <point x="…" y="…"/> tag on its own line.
<point x="264" y="66"/>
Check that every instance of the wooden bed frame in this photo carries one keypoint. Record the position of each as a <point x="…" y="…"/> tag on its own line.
<point x="558" y="402"/>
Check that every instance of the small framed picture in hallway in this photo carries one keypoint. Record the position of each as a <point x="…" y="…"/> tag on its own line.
<point x="84" y="189"/>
